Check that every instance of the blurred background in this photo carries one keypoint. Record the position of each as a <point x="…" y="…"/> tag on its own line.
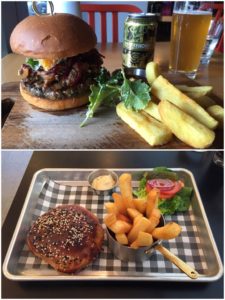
<point x="18" y="10"/>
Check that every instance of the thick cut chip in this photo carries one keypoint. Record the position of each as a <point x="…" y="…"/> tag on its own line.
<point x="126" y="189"/>
<point x="169" y="231"/>
<point x="200" y="90"/>
<point x="217" y="112"/>
<point x="122" y="238"/>
<point x="120" y="227"/>
<point x="144" y="239"/>
<point x="186" y="128"/>
<point x="152" y="110"/>
<point x="154" y="132"/>
<point x="152" y="72"/>
<point x="133" y="213"/>
<point x="164" y="90"/>
<point x="140" y="205"/>
<point x="141" y="225"/>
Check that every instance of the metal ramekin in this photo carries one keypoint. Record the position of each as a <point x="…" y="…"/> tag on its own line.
<point x="126" y="253"/>
<point x="102" y="172"/>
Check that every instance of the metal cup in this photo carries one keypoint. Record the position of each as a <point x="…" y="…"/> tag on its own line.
<point x="126" y="253"/>
<point x="102" y="172"/>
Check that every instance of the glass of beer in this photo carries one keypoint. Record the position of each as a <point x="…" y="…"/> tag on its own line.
<point x="190" y="25"/>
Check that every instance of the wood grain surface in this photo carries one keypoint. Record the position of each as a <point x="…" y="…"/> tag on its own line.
<point x="28" y="127"/>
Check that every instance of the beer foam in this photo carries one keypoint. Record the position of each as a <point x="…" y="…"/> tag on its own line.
<point x="194" y="12"/>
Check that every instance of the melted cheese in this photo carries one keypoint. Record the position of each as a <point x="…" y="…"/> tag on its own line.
<point x="47" y="63"/>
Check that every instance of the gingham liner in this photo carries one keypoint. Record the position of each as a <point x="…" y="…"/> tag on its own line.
<point x="187" y="246"/>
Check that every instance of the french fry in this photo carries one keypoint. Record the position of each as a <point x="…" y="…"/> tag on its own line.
<point x="110" y="219"/>
<point x="186" y="128"/>
<point x="123" y="218"/>
<point x="111" y="208"/>
<point x="140" y="205"/>
<point x="200" y="90"/>
<point x="144" y="239"/>
<point x="137" y="218"/>
<point x="151" y="130"/>
<point x="167" y="232"/>
<point x="204" y="101"/>
<point x="137" y="227"/>
<point x="156" y="213"/>
<point x="141" y="225"/>
<point x="164" y="90"/>
<point x="152" y="71"/>
<point x="126" y="190"/>
<point x="217" y="112"/>
<point x="154" y="221"/>
<point x="152" y="110"/>
<point x="120" y="227"/>
<point x="119" y="203"/>
<point x="152" y="200"/>
<point x="122" y="238"/>
<point x="134" y="245"/>
<point x="133" y="213"/>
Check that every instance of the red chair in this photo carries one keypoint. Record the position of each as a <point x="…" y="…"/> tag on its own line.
<point x="103" y="9"/>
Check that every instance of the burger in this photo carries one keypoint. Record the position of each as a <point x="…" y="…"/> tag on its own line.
<point x="67" y="237"/>
<point x="61" y="60"/>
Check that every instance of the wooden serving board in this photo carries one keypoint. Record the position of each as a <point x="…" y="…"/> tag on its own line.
<point x="28" y="127"/>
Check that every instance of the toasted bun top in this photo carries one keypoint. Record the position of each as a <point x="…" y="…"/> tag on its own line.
<point x="52" y="37"/>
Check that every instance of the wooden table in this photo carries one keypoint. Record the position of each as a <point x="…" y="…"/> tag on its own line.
<point x="28" y="127"/>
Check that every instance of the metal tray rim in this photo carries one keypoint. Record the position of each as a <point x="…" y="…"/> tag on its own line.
<point x="10" y="276"/>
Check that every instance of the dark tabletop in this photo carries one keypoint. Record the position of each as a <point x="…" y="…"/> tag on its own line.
<point x="209" y="178"/>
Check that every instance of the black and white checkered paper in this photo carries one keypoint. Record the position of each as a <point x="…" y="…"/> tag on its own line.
<point x="187" y="246"/>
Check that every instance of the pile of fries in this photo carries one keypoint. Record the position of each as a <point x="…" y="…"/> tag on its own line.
<point x="186" y="112"/>
<point x="134" y="221"/>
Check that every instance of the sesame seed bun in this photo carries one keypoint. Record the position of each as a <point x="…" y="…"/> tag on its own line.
<point x="53" y="105"/>
<point x="52" y="37"/>
<point x="68" y="237"/>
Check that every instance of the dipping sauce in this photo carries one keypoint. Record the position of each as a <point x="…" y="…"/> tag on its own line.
<point x="103" y="183"/>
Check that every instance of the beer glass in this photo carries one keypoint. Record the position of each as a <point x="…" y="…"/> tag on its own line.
<point x="190" y="24"/>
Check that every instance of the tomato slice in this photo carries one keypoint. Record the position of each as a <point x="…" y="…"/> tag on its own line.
<point x="178" y="185"/>
<point x="161" y="184"/>
<point x="166" y="188"/>
<point x="148" y="188"/>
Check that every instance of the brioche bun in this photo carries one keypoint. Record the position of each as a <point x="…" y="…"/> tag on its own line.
<point x="52" y="37"/>
<point x="53" y="105"/>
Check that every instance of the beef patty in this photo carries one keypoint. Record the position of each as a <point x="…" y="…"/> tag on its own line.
<point x="68" y="237"/>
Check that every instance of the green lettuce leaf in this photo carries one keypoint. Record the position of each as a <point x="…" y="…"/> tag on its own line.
<point x="33" y="63"/>
<point x="179" y="203"/>
<point x="141" y="191"/>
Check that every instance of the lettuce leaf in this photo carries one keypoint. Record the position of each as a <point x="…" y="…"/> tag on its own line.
<point x="141" y="191"/>
<point x="33" y="63"/>
<point x="179" y="203"/>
